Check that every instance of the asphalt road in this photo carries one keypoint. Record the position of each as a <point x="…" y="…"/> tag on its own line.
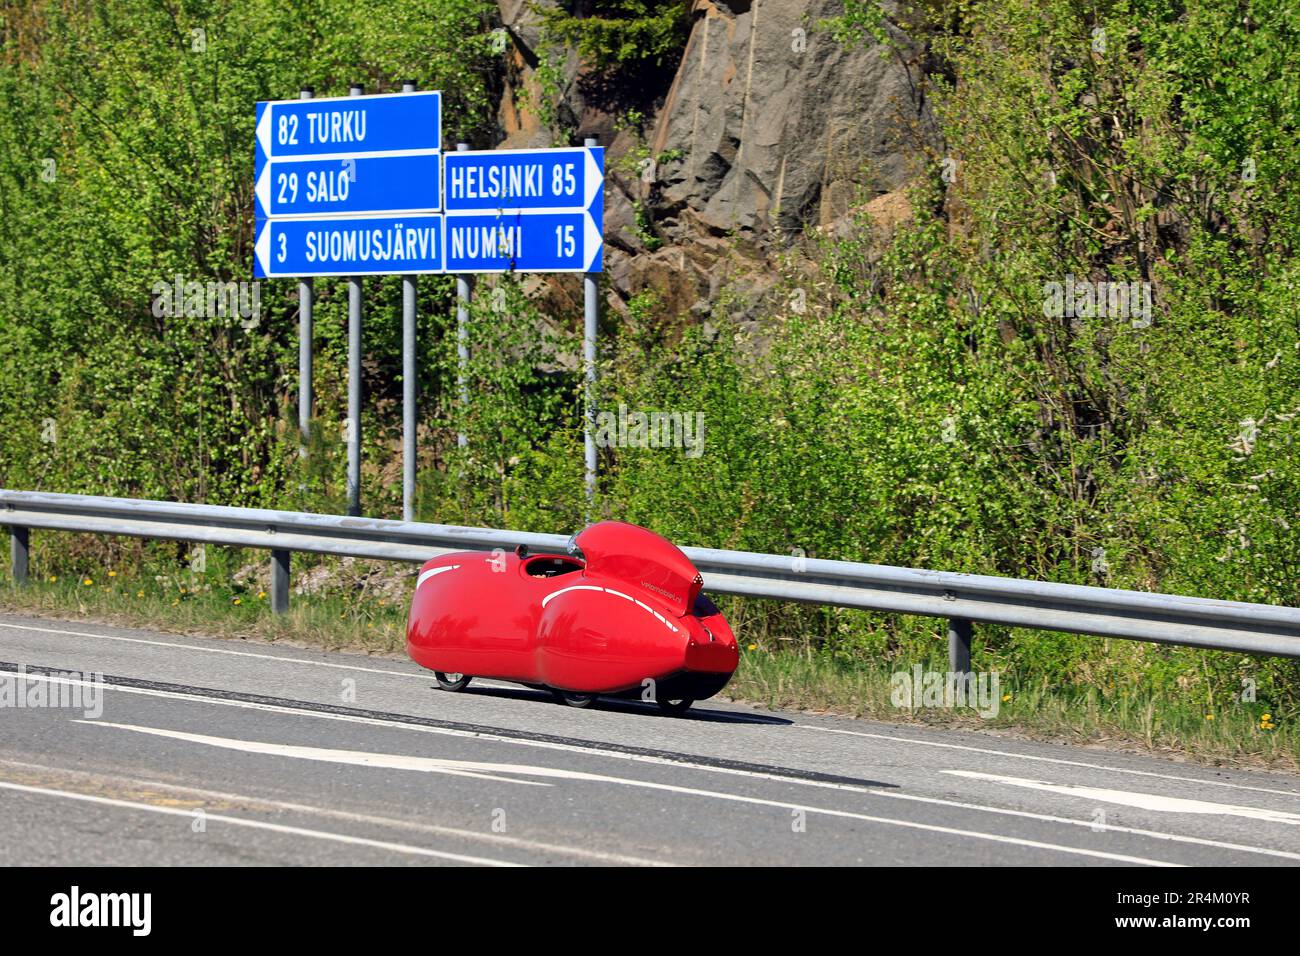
<point x="211" y="752"/>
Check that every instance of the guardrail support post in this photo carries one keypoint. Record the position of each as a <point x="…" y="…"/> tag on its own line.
<point x="19" y="553"/>
<point x="279" y="581"/>
<point x="959" y="635"/>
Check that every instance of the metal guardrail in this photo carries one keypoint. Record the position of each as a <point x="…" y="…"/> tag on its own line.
<point x="961" y="598"/>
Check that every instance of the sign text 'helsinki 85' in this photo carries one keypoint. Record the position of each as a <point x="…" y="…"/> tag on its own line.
<point x="360" y="185"/>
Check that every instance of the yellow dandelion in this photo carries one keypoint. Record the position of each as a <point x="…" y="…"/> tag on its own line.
<point x="87" y="582"/>
<point x="1209" y="716"/>
<point x="1265" y="718"/>
<point x="753" y="647"/>
<point x="112" y="574"/>
<point x="261" y="595"/>
<point x="139" y="594"/>
<point x="1005" y="698"/>
<point x="53" y="578"/>
<point x="237" y="601"/>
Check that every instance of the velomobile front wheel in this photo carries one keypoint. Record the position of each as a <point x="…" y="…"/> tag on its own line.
<point x="452" y="681"/>
<point x="574" y="699"/>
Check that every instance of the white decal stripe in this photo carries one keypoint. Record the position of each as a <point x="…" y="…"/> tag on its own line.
<point x="575" y="587"/>
<point x="626" y="597"/>
<point x="425" y="575"/>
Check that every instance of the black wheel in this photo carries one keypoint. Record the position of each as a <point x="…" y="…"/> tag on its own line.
<point x="575" y="699"/>
<point x="675" y="708"/>
<point x="453" y="682"/>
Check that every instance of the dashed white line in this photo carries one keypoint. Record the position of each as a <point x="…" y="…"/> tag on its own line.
<point x="1142" y="801"/>
<point x="1056" y="760"/>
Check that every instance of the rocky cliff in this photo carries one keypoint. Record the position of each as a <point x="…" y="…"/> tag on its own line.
<point x="768" y="126"/>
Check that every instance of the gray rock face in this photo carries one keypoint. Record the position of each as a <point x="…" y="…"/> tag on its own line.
<point x="770" y="125"/>
<point x="780" y="125"/>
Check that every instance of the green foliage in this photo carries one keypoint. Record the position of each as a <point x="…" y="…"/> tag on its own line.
<point x="907" y="398"/>
<point x="915" y="402"/>
<point x="126" y="160"/>
<point x="622" y="33"/>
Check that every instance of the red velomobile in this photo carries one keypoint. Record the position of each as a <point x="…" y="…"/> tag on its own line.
<point x="621" y="614"/>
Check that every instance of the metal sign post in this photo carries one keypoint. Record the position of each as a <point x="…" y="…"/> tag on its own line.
<point x="352" y="430"/>
<point x="464" y="290"/>
<point x="590" y="325"/>
<point x="408" y="386"/>
<point x="306" y="294"/>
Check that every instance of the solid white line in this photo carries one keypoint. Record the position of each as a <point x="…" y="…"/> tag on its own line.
<point x="1057" y="760"/>
<point x="212" y="650"/>
<point x="260" y="825"/>
<point x="661" y="761"/>
<point x="421" y="675"/>
<point x="430" y="764"/>
<point x="367" y="818"/>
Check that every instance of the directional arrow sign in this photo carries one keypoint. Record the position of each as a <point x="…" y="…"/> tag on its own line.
<point x="359" y="245"/>
<point x="522" y="241"/>
<point x="524" y="179"/>
<point x="525" y="210"/>
<point x="350" y="125"/>
<point x="360" y="184"/>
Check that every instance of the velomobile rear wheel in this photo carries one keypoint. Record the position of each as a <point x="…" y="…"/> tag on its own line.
<point x="675" y="708"/>
<point x="452" y="681"/>
<point x="575" y="699"/>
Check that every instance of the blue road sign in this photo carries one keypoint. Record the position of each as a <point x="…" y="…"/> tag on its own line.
<point x="522" y="241"/>
<point x="566" y="178"/>
<point x="538" y="210"/>
<point x="355" y="184"/>
<point x="350" y="125"/>
<point x="358" y="245"/>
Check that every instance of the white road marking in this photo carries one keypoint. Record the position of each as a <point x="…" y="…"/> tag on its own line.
<point x="359" y="758"/>
<point x="367" y="818"/>
<point x="665" y="762"/>
<point x="259" y="825"/>
<point x="1057" y="760"/>
<point x="505" y="685"/>
<point x="213" y="650"/>
<point x="418" y="675"/>
<point x="1142" y="801"/>
<point x="431" y="764"/>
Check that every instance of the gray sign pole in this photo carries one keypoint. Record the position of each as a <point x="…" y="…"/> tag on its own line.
<point x="353" y="434"/>
<point x="408" y="385"/>
<point x="306" y="292"/>
<point x="591" y="319"/>
<point x="463" y="292"/>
